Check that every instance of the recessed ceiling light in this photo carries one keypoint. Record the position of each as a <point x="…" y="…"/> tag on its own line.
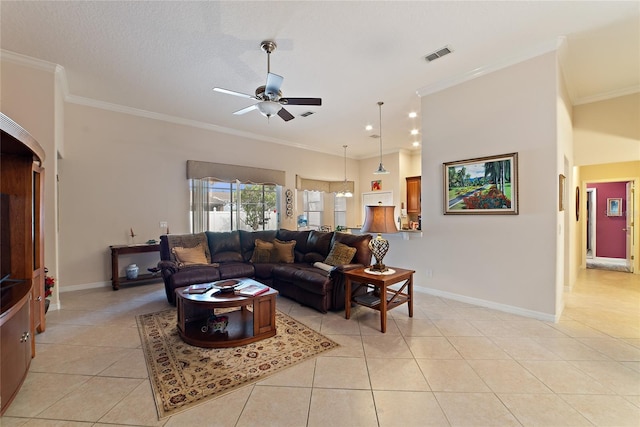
<point x="414" y="131"/>
<point x="413" y="115"/>
<point x="416" y="144"/>
<point x="368" y="127"/>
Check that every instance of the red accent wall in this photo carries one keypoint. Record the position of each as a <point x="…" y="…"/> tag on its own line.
<point x="610" y="238"/>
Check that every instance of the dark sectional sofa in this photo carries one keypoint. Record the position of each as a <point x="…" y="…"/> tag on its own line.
<point x="230" y="256"/>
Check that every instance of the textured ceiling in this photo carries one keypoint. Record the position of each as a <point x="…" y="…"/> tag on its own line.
<point x="165" y="57"/>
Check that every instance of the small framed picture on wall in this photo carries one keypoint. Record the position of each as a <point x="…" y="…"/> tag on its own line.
<point x="376" y="185"/>
<point x="614" y="207"/>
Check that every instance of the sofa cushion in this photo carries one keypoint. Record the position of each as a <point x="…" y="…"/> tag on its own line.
<point x="192" y="275"/>
<point x="318" y="245"/>
<point x="313" y="280"/>
<point x="340" y="254"/>
<point x="262" y="252"/>
<point x="358" y="241"/>
<point x="283" y="252"/>
<point x="224" y="246"/>
<point x="232" y="270"/>
<point x="189" y="256"/>
<point x="264" y="271"/>
<point x="187" y="241"/>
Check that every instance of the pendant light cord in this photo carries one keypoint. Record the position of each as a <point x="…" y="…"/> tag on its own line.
<point x="380" y="110"/>
<point x="345" y="165"/>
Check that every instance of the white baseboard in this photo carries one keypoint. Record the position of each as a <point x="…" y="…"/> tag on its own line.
<point x="84" y="286"/>
<point x="614" y="261"/>
<point x="490" y="304"/>
<point x="53" y="307"/>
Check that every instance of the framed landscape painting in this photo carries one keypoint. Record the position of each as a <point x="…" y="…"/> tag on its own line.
<point x="486" y="185"/>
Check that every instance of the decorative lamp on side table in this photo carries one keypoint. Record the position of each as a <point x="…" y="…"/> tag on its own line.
<point x="379" y="219"/>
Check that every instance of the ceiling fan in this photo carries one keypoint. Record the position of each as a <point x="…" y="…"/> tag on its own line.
<point x="269" y="96"/>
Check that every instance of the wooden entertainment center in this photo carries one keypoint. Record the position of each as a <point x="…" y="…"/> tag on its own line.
<point x="22" y="304"/>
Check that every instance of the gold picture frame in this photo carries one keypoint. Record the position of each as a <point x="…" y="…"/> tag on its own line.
<point x="484" y="185"/>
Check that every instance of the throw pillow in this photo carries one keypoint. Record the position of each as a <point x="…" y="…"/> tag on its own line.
<point x="188" y="241"/>
<point x="340" y="254"/>
<point x="262" y="252"/>
<point x="283" y="251"/>
<point x="187" y="256"/>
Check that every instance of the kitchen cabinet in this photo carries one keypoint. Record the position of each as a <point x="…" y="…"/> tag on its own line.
<point x="414" y="195"/>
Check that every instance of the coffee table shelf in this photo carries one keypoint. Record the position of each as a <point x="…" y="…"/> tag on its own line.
<point x="240" y="328"/>
<point x="245" y="326"/>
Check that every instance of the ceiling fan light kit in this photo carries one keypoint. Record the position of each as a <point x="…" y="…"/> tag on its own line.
<point x="381" y="170"/>
<point x="269" y="96"/>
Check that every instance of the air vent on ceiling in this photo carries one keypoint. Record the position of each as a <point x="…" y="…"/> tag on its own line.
<point x="438" y="53"/>
<point x="307" y="114"/>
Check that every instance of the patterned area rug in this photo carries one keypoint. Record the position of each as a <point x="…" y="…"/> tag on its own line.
<point x="183" y="376"/>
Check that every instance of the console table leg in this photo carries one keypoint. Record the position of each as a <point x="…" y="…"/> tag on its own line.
<point x="115" y="283"/>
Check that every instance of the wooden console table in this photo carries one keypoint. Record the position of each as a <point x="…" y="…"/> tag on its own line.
<point x="379" y="296"/>
<point x="117" y="250"/>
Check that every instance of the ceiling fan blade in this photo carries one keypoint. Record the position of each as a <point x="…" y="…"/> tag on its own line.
<point x="246" y="110"/>
<point x="285" y="115"/>
<point x="301" y="101"/>
<point x="274" y="82"/>
<point x="233" y="92"/>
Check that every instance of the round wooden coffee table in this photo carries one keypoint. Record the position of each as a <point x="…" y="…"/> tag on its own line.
<point x="245" y="326"/>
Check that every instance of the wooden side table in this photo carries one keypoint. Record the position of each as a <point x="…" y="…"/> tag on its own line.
<point x="117" y="250"/>
<point x="379" y="296"/>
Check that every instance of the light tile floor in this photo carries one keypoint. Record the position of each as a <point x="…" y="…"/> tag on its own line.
<point x="452" y="364"/>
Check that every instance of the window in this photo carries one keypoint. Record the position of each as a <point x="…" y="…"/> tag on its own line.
<point x="227" y="206"/>
<point x="313" y="208"/>
<point x="340" y="212"/>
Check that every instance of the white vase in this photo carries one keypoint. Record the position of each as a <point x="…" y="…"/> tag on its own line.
<point x="132" y="271"/>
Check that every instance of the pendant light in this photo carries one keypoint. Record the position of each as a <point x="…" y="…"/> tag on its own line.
<point x="345" y="191"/>
<point x="381" y="170"/>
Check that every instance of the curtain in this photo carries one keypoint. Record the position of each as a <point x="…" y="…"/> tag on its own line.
<point x="232" y="173"/>
<point x="320" y="185"/>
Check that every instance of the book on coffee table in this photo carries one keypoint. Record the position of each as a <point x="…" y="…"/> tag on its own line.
<point x="252" y="290"/>
<point x="200" y="288"/>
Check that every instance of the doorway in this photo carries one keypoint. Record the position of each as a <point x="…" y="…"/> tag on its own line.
<point x="609" y="225"/>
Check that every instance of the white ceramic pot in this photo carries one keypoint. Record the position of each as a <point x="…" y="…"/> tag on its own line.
<point x="132" y="271"/>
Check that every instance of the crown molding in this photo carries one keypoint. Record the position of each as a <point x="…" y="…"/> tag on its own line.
<point x="89" y="102"/>
<point x="535" y="51"/>
<point x="607" y="95"/>
<point x="38" y="64"/>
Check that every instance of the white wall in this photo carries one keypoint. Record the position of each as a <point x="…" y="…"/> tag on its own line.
<point x="123" y="171"/>
<point x="505" y="260"/>
<point x="607" y="131"/>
